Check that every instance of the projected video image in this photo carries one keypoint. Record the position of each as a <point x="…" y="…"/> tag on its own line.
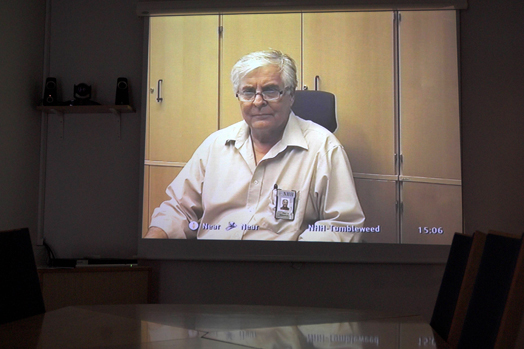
<point x="242" y="144"/>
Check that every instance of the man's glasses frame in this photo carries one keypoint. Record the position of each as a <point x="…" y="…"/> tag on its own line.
<point x="268" y="96"/>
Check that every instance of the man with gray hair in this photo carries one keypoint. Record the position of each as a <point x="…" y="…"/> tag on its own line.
<point x="236" y="183"/>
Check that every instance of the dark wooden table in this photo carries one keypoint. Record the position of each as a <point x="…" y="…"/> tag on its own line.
<point x="217" y="326"/>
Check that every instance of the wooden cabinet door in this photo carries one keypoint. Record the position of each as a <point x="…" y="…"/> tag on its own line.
<point x="352" y="54"/>
<point x="429" y="127"/>
<point x="184" y="55"/>
<point x="378" y="201"/>
<point x="429" y="105"/>
<point x="432" y="213"/>
<point x="243" y="34"/>
<point x="156" y="180"/>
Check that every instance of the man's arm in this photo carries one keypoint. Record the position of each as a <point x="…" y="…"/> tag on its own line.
<point x="155" y="233"/>
<point x="336" y="199"/>
<point x="184" y="205"/>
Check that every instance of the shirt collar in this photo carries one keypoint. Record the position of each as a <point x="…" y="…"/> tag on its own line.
<point x="293" y="135"/>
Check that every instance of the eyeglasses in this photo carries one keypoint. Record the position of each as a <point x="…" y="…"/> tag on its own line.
<point x="268" y="95"/>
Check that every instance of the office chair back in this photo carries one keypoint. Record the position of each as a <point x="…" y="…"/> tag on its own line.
<point x="490" y="293"/>
<point x="317" y="106"/>
<point x="451" y="284"/>
<point x="466" y="289"/>
<point x="514" y="309"/>
<point x="20" y="294"/>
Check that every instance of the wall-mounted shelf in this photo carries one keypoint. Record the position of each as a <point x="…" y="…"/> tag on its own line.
<point x="60" y="110"/>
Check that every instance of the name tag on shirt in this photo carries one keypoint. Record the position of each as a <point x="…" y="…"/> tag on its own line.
<point x="285" y="208"/>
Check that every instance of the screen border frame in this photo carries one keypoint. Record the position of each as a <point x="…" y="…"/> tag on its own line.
<point x="270" y="251"/>
<point x="208" y="7"/>
<point x="290" y="251"/>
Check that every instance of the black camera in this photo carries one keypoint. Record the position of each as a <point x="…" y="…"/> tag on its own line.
<point x="82" y="95"/>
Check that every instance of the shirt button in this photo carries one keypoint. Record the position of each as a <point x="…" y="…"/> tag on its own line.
<point x="256" y="182"/>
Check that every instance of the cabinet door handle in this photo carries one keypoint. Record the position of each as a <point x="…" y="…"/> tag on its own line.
<point x="159" y="98"/>
<point x="317" y="82"/>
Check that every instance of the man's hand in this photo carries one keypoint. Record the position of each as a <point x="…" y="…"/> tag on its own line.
<point x="155" y="233"/>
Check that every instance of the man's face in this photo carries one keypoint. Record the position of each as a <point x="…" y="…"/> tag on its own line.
<point x="260" y="114"/>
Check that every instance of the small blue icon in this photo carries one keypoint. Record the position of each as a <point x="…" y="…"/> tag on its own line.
<point x="231" y="225"/>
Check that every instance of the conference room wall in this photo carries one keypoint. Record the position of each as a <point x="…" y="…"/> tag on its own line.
<point x="93" y="162"/>
<point x="399" y="288"/>
<point x="78" y="220"/>
<point x="492" y="150"/>
<point x="491" y="126"/>
<point x="22" y="43"/>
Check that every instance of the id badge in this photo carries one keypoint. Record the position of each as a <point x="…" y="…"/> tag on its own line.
<point x="285" y="204"/>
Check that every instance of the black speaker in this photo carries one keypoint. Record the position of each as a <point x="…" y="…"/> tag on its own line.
<point x="50" y="92"/>
<point x="122" y="92"/>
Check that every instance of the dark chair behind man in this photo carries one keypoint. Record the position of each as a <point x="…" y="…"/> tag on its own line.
<point x="317" y="106"/>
